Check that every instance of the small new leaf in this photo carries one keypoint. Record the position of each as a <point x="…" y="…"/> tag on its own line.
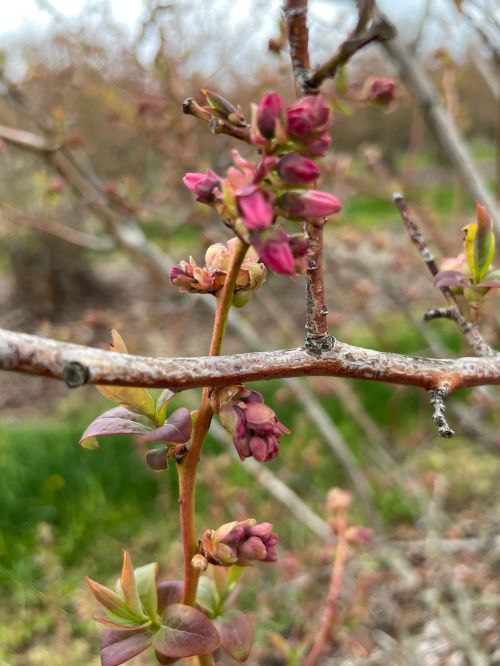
<point x="236" y="634"/>
<point x="129" y="587"/>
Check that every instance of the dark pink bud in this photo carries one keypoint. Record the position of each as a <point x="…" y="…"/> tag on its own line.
<point x="296" y="169"/>
<point x="309" y="116"/>
<point x="265" y="165"/>
<point x="310" y="204"/>
<point x="256" y="210"/>
<point x="318" y="147"/>
<point x="274" y="250"/>
<point x="261" y="530"/>
<point x="269" y="112"/>
<point x="203" y="185"/>
<point x="258" y="448"/>
<point x="382" y="91"/>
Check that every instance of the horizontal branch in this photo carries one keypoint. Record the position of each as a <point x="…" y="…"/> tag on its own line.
<point x="79" y="365"/>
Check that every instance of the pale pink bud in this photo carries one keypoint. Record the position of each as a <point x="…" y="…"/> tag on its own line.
<point x="296" y="169"/>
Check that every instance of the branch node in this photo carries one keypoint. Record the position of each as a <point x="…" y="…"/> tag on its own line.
<point x="318" y="344"/>
<point x="438" y="313"/>
<point x="436" y="398"/>
<point x="76" y="374"/>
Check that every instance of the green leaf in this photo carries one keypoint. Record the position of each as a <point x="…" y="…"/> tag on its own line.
<point x="207" y="597"/>
<point x="185" y="632"/>
<point x="236" y="634"/>
<point x="484" y="243"/>
<point x="146" y="578"/>
<point x="115" y="622"/>
<point x="492" y="280"/>
<point x="110" y="599"/>
<point x="129" y="587"/>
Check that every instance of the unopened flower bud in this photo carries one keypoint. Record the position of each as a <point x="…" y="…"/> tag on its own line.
<point x="199" y="562"/>
<point x="296" y="169"/>
<point x="310" y="116"/>
<point x="338" y="499"/>
<point x="269" y="112"/>
<point x="240" y="542"/>
<point x="311" y="204"/>
<point x="203" y="185"/>
<point x="255" y="209"/>
<point x="381" y="91"/>
<point x="274" y="249"/>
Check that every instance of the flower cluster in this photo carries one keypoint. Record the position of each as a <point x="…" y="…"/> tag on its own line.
<point x="239" y="542"/>
<point x="253" y="425"/>
<point x="209" y="279"/>
<point x="251" y="197"/>
<point x="470" y="272"/>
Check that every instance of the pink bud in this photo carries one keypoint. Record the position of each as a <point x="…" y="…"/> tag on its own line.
<point x="202" y="184"/>
<point x="274" y="250"/>
<point x="382" y="91"/>
<point x="309" y="116"/>
<point x="256" y="210"/>
<point x="269" y="112"/>
<point x="296" y="169"/>
<point x="310" y="204"/>
<point x="253" y="549"/>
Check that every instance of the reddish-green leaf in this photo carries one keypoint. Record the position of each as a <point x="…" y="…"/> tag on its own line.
<point x="157" y="459"/>
<point x="164" y="660"/>
<point x="450" y="279"/>
<point x="109" y="599"/>
<point x="145" y="579"/>
<point x="169" y="592"/>
<point x="236" y="634"/>
<point x="207" y="596"/>
<point x="129" y="587"/>
<point x="117" y="421"/>
<point x="185" y="632"/>
<point x="177" y="429"/>
<point x="117" y="647"/>
<point x="136" y="399"/>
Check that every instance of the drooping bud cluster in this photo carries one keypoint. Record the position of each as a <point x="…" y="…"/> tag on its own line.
<point x="239" y="542"/>
<point x="251" y="197"/>
<point x="253" y="425"/>
<point x="209" y="279"/>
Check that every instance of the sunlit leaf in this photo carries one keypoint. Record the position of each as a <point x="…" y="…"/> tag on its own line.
<point x="236" y="634"/>
<point x="137" y="399"/>
<point x="117" y="421"/>
<point x="117" y="647"/>
<point x="177" y="429"/>
<point x="109" y="599"/>
<point x="129" y="587"/>
<point x="145" y="579"/>
<point x="484" y="244"/>
<point x="122" y="624"/>
<point x="185" y="632"/>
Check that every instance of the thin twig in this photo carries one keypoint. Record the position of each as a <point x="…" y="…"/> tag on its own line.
<point x="216" y="125"/>
<point x="436" y="398"/>
<point x="470" y="330"/>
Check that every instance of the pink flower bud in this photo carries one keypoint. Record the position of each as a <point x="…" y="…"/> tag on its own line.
<point x="274" y="250"/>
<point x="203" y="185"/>
<point x="255" y="209"/>
<point x="253" y="549"/>
<point x="382" y="91"/>
<point x="269" y="112"/>
<point x="296" y="169"/>
<point x="310" y="115"/>
<point x="310" y="204"/>
<point x="239" y="543"/>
